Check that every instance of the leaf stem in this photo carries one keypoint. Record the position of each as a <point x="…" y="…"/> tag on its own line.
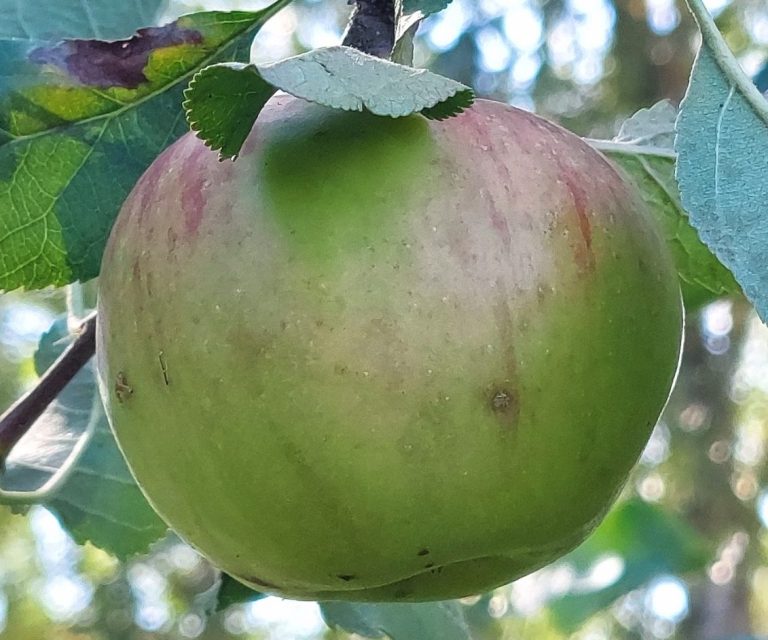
<point x="631" y="149"/>
<point x="725" y="59"/>
<point x="371" y="27"/>
<point x="20" y="417"/>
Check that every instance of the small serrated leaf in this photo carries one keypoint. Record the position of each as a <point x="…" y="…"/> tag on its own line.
<point x="344" y="78"/>
<point x="224" y="100"/>
<point x="222" y="103"/>
<point x="453" y="106"/>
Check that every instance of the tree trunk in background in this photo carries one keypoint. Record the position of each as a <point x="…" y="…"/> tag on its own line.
<point x="643" y="68"/>
<point x="649" y="67"/>
<point x="719" y="612"/>
<point x="704" y="485"/>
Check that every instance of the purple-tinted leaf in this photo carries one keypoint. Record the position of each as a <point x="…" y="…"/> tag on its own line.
<point x="114" y="64"/>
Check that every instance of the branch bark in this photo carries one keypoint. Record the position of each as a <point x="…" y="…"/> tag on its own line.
<point x="20" y="417"/>
<point x="371" y="27"/>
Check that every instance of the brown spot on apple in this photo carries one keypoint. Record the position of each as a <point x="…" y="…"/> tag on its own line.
<point x="505" y="406"/>
<point x="123" y="390"/>
<point x="163" y="366"/>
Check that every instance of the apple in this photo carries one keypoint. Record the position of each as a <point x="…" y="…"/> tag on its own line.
<point x="385" y="359"/>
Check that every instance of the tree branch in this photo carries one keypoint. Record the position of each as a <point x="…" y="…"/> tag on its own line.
<point x="371" y="27"/>
<point x="20" y="417"/>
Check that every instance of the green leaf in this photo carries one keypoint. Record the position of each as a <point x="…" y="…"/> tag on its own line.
<point x="79" y="123"/>
<point x="444" y="620"/>
<point x="407" y="26"/>
<point x="647" y="540"/>
<point x="449" y="108"/>
<point x="338" y="77"/>
<point x="424" y="6"/>
<point x="99" y="501"/>
<point x="344" y="78"/>
<point x="721" y="144"/>
<point x="643" y="148"/>
<point x="652" y="127"/>
<point x="55" y="20"/>
<point x="222" y="103"/>
<point x="232" y="592"/>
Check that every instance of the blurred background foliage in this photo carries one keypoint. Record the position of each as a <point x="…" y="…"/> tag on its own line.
<point x="685" y="555"/>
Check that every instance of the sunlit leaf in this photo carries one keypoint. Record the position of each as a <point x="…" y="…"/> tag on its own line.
<point x="722" y="143"/>
<point x="224" y="100"/>
<point x="344" y="78"/>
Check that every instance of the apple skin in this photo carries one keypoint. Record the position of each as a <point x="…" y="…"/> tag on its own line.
<point x="385" y="360"/>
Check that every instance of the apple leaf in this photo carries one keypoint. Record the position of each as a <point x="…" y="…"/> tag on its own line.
<point x="79" y="123"/>
<point x="721" y="144"/>
<point x="99" y="500"/>
<point x="102" y="19"/>
<point x="644" y="541"/>
<point x="425" y="7"/>
<point x="444" y="620"/>
<point x="407" y="26"/>
<point x="222" y="104"/>
<point x="345" y="78"/>
<point x="230" y="592"/>
<point x="651" y="127"/>
<point x="643" y="148"/>
<point x="224" y="100"/>
<point x="451" y="107"/>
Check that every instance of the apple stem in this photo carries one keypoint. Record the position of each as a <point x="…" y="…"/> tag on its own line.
<point x="20" y="417"/>
<point x="371" y="27"/>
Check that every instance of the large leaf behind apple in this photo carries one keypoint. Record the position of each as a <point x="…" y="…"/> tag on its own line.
<point x="79" y="123"/>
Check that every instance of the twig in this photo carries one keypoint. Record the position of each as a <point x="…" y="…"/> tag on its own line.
<point x="20" y="417"/>
<point x="371" y="27"/>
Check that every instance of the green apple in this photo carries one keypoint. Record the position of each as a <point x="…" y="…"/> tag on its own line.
<point x="379" y="359"/>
